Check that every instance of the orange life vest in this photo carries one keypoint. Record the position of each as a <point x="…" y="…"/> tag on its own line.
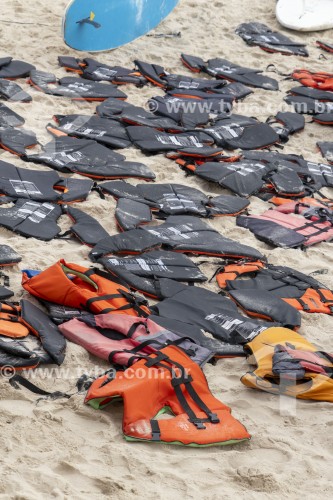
<point x="83" y="288"/>
<point x="10" y="325"/>
<point x="231" y="272"/>
<point x="317" y="80"/>
<point x="168" y="382"/>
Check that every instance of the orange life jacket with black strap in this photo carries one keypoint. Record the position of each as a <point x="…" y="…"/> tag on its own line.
<point x="83" y="288"/>
<point x="317" y="80"/>
<point x="10" y="325"/>
<point x="290" y="365"/>
<point x="16" y="322"/>
<point x="168" y="382"/>
<point x="232" y="271"/>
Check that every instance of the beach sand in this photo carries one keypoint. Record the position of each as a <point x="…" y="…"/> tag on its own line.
<point x="65" y="450"/>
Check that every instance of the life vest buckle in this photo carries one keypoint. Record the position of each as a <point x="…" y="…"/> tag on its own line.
<point x="198" y="423"/>
<point x="155" y="430"/>
<point x="156" y="436"/>
<point x="213" y="418"/>
<point x="110" y="375"/>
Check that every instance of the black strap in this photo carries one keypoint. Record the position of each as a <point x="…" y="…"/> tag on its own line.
<point x="12" y="305"/>
<point x="126" y="306"/>
<point x="134" y="351"/>
<point x="213" y="418"/>
<point x="314" y="225"/>
<point x="134" y="327"/>
<point x="326" y="355"/>
<point x="17" y="380"/>
<point x="155" y="430"/>
<point x="272" y="68"/>
<point x="112" y="309"/>
<point x="13" y="319"/>
<point x="98" y="190"/>
<point x="304" y="305"/>
<point x="186" y="380"/>
<point x="103" y="297"/>
<point x="298" y="206"/>
<point x="135" y="302"/>
<point x="110" y="375"/>
<point x="182" y="339"/>
<point x="159" y="356"/>
<point x="320" y="231"/>
<point x="64" y="236"/>
<point x="90" y="272"/>
<point x="148" y="342"/>
<point x="198" y="422"/>
<point x="218" y="271"/>
<point x="107" y="310"/>
<point x="176" y="383"/>
<point x="323" y="298"/>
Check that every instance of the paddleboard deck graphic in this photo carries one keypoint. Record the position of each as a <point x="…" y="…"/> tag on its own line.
<point x="98" y="25"/>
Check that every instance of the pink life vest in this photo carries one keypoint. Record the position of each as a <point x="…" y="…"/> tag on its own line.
<point x="300" y="231"/>
<point x="117" y="338"/>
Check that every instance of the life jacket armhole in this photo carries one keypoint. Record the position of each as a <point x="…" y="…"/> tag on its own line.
<point x="82" y="276"/>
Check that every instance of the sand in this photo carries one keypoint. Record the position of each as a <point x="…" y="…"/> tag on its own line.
<point x="65" y="450"/>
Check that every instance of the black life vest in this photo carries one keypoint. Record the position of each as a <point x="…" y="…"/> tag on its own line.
<point x="105" y="131"/>
<point x="146" y="272"/>
<point x="271" y="41"/>
<point x="221" y="68"/>
<point x="77" y="89"/>
<point x="11" y="68"/>
<point x="91" y="69"/>
<point x="86" y="228"/>
<point x="8" y="117"/>
<point x="183" y="234"/>
<point x="32" y="219"/>
<point x="88" y="158"/>
<point x="11" y="91"/>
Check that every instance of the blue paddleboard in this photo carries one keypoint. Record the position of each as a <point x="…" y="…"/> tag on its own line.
<point x="96" y="25"/>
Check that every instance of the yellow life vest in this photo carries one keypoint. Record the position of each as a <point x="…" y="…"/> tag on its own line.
<point x="288" y="364"/>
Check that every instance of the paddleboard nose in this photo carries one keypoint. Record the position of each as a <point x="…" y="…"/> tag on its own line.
<point x="305" y="15"/>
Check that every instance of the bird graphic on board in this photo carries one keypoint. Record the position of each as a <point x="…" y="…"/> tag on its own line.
<point x="90" y="20"/>
<point x="95" y="26"/>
